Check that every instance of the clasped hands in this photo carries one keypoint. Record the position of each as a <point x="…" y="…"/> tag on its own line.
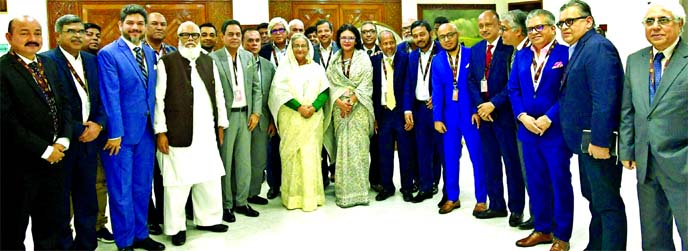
<point x="537" y="126"/>
<point x="57" y="154"/>
<point x="485" y="111"/>
<point x="306" y="111"/>
<point x="346" y="107"/>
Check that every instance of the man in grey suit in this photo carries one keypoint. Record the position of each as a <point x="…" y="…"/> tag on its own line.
<point x="244" y="102"/>
<point x="654" y="133"/>
<point x="266" y="127"/>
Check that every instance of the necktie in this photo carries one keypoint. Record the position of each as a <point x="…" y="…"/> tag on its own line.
<point x="43" y="83"/>
<point x="139" y="59"/>
<point x="488" y="60"/>
<point x="389" y="90"/>
<point x="370" y="52"/>
<point x="657" y="65"/>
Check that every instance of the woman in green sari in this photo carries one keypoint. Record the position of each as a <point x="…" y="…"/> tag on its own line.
<point x="298" y="101"/>
<point x="351" y="88"/>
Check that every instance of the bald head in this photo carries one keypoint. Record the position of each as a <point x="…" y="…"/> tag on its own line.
<point x="488" y="24"/>
<point x="25" y="36"/>
<point x="448" y="36"/>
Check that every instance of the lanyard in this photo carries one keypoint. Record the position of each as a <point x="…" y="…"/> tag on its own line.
<point x="538" y="72"/>
<point x="454" y="66"/>
<point x="322" y="59"/>
<point x="348" y="68"/>
<point x="39" y="76"/>
<point x="78" y="79"/>
<point x="427" y="64"/>
<point x="236" y="79"/>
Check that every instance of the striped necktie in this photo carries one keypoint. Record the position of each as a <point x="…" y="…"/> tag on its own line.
<point x="139" y="59"/>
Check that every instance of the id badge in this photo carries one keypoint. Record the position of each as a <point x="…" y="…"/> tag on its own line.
<point x="238" y="96"/>
<point x="455" y="94"/>
<point x="483" y="85"/>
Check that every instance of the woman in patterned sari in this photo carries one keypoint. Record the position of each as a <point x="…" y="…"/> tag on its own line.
<point x="351" y="76"/>
<point x="298" y="101"/>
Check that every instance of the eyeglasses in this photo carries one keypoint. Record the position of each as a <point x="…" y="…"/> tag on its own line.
<point x="449" y="35"/>
<point x="347" y="39"/>
<point x="537" y="28"/>
<point x="569" y="21"/>
<point x="278" y="31"/>
<point x="75" y="32"/>
<point x="650" y="21"/>
<point x="189" y="34"/>
<point x="366" y="32"/>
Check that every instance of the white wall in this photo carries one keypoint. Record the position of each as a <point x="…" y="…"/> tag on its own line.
<point x="251" y="11"/>
<point x="35" y="8"/>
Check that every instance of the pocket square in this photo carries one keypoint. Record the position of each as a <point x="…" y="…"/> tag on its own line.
<point x="558" y="64"/>
<point x="467" y="65"/>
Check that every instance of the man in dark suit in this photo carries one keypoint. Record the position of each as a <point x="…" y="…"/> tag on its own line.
<point x="126" y="66"/>
<point x="590" y="100"/>
<point x="79" y="71"/>
<point x="389" y="70"/>
<point x="487" y="83"/>
<point x="534" y="96"/>
<point x="653" y="131"/>
<point x="369" y="37"/>
<point x="35" y="130"/>
<point x="418" y="110"/>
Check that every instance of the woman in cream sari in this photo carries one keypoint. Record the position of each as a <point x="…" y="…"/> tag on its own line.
<point x="351" y="76"/>
<point x="298" y="97"/>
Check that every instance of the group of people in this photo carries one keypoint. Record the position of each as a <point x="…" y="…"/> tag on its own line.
<point x="202" y="128"/>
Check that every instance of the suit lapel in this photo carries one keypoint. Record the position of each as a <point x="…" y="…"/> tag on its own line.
<point x="29" y="80"/>
<point x="248" y="75"/>
<point x="124" y="48"/>
<point x="642" y="73"/>
<point x="224" y="66"/>
<point x="677" y="64"/>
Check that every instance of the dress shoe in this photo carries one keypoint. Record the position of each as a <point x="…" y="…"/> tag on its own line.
<point x="449" y="206"/>
<point x="383" y="195"/>
<point x="228" y="216"/>
<point x="149" y="244"/>
<point x="154" y="229"/>
<point x="415" y="188"/>
<point x="257" y="200"/>
<point x="515" y="220"/>
<point x="272" y="193"/>
<point x="489" y="214"/>
<point x="527" y="225"/>
<point x="407" y="196"/>
<point x="105" y="236"/>
<point x="377" y="188"/>
<point x="560" y="245"/>
<point x="479" y="208"/>
<point x="442" y="201"/>
<point x="126" y="249"/>
<point x="421" y="196"/>
<point x="246" y="210"/>
<point x="219" y="228"/>
<point x="179" y="238"/>
<point x="535" y="238"/>
<point x="435" y="190"/>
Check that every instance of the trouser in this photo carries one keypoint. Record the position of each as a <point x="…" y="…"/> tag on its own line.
<point x="391" y="130"/>
<point x="499" y="142"/>
<point x="101" y="195"/>
<point x="429" y="144"/>
<point x="259" y="159"/>
<point x="236" y="157"/>
<point x="207" y="203"/>
<point x="79" y="184"/>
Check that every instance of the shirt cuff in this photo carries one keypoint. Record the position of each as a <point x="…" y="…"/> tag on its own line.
<point x="115" y="138"/>
<point x="63" y="141"/>
<point x="408" y="112"/>
<point x="519" y="115"/>
<point x="48" y="151"/>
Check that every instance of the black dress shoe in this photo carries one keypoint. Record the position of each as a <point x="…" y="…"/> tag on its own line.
<point x="126" y="249"/>
<point x="377" y="188"/>
<point x="489" y="214"/>
<point x="515" y="220"/>
<point x="434" y="189"/>
<point x="383" y="195"/>
<point x="154" y="229"/>
<point x="407" y="197"/>
<point x="442" y="201"/>
<point x="257" y="200"/>
<point x="149" y="244"/>
<point x="228" y="216"/>
<point x="179" y="238"/>
<point x="414" y="188"/>
<point x="421" y="196"/>
<point x="219" y="228"/>
<point x="246" y="210"/>
<point x="527" y="225"/>
<point x="272" y="193"/>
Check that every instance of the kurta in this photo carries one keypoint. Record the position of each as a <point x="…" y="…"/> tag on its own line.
<point x="352" y="133"/>
<point x="200" y="161"/>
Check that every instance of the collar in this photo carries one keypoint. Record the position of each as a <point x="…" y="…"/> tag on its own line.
<point x="326" y="48"/>
<point x="668" y="51"/>
<point x="286" y="45"/>
<point x="131" y="45"/>
<point x="432" y="46"/>
<point x="373" y="49"/>
<point x="523" y="43"/>
<point x="26" y="60"/>
<point x="69" y="56"/>
<point x="385" y="57"/>
<point x="544" y="49"/>
<point x="494" y="43"/>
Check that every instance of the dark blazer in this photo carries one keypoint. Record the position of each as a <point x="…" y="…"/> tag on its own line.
<point x="316" y="52"/>
<point x="412" y="77"/>
<point x="594" y="75"/>
<point x="400" y="62"/>
<point x="27" y="126"/>
<point x="96" y="113"/>
<point x="544" y="101"/>
<point x="496" y="84"/>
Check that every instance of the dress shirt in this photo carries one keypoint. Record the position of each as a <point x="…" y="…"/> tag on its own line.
<point x="539" y="60"/>
<point x="78" y="66"/>
<point x="237" y="88"/>
<point x="422" y="85"/>
<point x="667" y="54"/>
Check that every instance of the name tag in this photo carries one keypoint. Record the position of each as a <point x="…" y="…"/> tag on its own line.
<point x="455" y="94"/>
<point x="483" y="85"/>
<point x="238" y="96"/>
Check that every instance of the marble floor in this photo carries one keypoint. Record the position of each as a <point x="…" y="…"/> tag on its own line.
<point x="391" y="225"/>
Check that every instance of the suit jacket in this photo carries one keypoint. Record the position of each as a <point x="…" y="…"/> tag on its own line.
<point x="444" y="108"/>
<point x="497" y="80"/>
<point x="543" y="101"/>
<point x="412" y="77"/>
<point x="267" y="72"/>
<point x="659" y="128"/>
<point x="129" y="102"/>
<point x="400" y="62"/>
<point x="27" y="126"/>
<point x="316" y="53"/>
<point x="254" y="95"/>
<point x="594" y="75"/>
<point x="96" y="113"/>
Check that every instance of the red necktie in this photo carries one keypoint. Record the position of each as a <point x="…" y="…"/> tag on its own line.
<point x="488" y="61"/>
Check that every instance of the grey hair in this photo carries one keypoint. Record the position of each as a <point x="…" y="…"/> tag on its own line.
<point x="672" y="6"/>
<point x="277" y="20"/>
<point x="66" y="19"/>
<point x="517" y="20"/>
<point x="293" y="22"/>
<point x="379" y="36"/>
<point x="298" y="36"/>
<point x="549" y="17"/>
<point x="188" y="23"/>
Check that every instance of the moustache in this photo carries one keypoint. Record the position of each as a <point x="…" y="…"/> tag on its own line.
<point x="134" y="30"/>
<point x="32" y="43"/>
<point x="77" y="39"/>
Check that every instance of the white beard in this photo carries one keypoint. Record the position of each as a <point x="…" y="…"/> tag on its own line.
<point x="190" y="53"/>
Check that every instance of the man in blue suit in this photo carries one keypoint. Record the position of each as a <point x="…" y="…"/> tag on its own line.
<point x="389" y="70"/>
<point x="88" y="118"/>
<point x="454" y="114"/>
<point x="487" y="84"/>
<point x="126" y="70"/>
<point x="534" y="93"/>
<point x="591" y="100"/>
<point x="418" y="108"/>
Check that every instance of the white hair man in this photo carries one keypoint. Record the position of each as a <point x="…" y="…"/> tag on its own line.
<point x="295" y="26"/>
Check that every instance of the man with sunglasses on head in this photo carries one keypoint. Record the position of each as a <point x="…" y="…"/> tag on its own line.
<point x="591" y="98"/>
<point x="653" y="131"/>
